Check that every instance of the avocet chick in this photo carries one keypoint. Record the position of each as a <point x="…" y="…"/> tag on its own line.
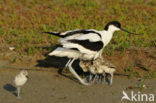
<point x="20" y="80"/>
<point x="98" y="68"/>
<point x="109" y="70"/>
<point x="106" y="67"/>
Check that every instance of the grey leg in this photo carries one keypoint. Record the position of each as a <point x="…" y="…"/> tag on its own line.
<point x="86" y="78"/>
<point x="95" y="78"/>
<point x="111" y="79"/>
<point x="67" y="63"/>
<point x="75" y="74"/>
<point x="99" y="80"/>
<point x="104" y="78"/>
<point x="90" y="77"/>
<point x="18" y="92"/>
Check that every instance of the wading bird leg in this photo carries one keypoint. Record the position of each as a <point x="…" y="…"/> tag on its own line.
<point x="111" y="79"/>
<point x="90" y="77"/>
<point x="99" y="80"/>
<point x="18" y="92"/>
<point x="67" y="63"/>
<point x="95" y="78"/>
<point x="75" y="74"/>
<point x="87" y="77"/>
<point x="104" y="78"/>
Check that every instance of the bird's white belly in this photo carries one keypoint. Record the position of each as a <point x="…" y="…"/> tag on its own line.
<point x="63" y="52"/>
<point x="20" y="81"/>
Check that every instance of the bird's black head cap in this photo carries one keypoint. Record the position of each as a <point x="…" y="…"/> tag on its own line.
<point x="115" y="23"/>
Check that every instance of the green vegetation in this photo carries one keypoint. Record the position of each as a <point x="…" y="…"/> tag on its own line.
<point x="22" y="21"/>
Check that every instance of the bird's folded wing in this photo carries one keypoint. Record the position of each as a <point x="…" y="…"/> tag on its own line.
<point x="71" y="32"/>
<point x="64" y="34"/>
<point x="78" y="31"/>
<point x="81" y="34"/>
<point x="84" y="46"/>
<point x="91" y="36"/>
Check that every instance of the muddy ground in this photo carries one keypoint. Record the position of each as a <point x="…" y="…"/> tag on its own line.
<point x="49" y="87"/>
<point x="46" y="85"/>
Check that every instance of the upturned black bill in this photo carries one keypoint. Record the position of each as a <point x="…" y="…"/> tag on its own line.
<point x="128" y="31"/>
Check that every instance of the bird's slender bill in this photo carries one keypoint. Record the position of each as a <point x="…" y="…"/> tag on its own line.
<point x="128" y="31"/>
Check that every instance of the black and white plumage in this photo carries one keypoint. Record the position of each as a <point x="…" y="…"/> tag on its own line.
<point x="84" y="44"/>
<point x="80" y="44"/>
<point x="20" y="80"/>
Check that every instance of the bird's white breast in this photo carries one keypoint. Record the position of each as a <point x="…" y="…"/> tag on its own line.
<point x="20" y="80"/>
<point x="106" y="37"/>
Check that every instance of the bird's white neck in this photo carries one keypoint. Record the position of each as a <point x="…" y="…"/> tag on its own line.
<point x="107" y="36"/>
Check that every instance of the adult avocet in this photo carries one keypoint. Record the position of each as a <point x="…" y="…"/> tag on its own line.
<point x="84" y="44"/>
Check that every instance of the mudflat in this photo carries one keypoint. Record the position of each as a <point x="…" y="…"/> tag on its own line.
<point x="49" y="87"/>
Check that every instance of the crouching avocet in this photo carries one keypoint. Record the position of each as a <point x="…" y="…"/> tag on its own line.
<point x="84" y="44"/>
<point x="97" y="70"/>
<point x="20" y="80"/>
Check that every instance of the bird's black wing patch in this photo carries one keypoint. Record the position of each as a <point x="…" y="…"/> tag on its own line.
<point x="94" y="46"/>
<point x="82" y="31"/>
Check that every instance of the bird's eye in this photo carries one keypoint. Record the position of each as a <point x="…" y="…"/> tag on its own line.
<point x="117" y="25"/>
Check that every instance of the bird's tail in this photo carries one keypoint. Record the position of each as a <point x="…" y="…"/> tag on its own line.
<point x="55" y="33"/>
<point x="64" y="52"/>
